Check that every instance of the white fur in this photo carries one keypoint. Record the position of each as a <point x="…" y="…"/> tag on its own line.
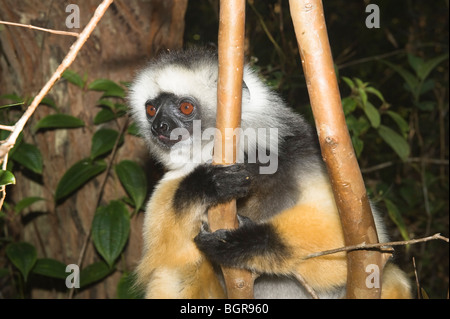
<point x="201" y="84"/>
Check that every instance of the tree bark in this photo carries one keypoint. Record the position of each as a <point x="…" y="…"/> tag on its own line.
<point x="127" y="36"/>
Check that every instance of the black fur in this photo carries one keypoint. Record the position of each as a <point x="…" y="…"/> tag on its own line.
<point x="211" y="185"/>
<point x="235" y="248"/>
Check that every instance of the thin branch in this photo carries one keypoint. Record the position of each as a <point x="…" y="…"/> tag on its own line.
<point x="7" y="127"/>
<point x="384" y="246"/>
<point x="6" y="146"/>
<point x="370" y="58"/>
<point x="267" y="31"/>
<point x="434" y="161"/>
<point x="29" y="26"/>
<point x="305" y="285"/>
<point x="70" y="57"/>
<point x="3" y="187"/>
<point x="419" y="295"/>
<point x="377" y="167"/>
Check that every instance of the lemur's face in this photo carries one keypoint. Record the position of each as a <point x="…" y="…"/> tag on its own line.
<point x="174" y="101"/>
<point x="171" y="117"/>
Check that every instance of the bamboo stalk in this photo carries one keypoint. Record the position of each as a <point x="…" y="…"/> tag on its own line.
<point x="239" y="282"/>
<point x="337" y="150"/>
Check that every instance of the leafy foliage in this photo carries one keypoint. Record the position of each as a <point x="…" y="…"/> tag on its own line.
<point x="394" y="84"/>
<point x="23" y="256"/>
<point x="59" y="121"/>
<point x="110" y="230"/>
<point x="6" y="178"/>
<point x="77" y="175"/>
<point x="111" y="223"/>
<point x="132" y="177"/>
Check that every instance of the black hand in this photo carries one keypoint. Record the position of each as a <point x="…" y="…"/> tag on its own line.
<point x="213" y="184"/>
<point x="238" y="247"/>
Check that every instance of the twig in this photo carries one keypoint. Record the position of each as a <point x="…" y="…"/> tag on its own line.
<point x="305" y="285"/>
<point x="385" y="246"/>
<point x="7" y="127"/>
<point x="268" y="34"/>
<point x="70" y="57"/>
<point x="3" y="187"/>
<point x="370" y="58"/>
<point x="434" y="161"/>
<point x="377" y="167"/>
<point x="29" y="26"/>
<point x="99" y="198"/>
<point x="419" y="295"/>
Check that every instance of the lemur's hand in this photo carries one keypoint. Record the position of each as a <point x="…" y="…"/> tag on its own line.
<point x="215" y="184"/>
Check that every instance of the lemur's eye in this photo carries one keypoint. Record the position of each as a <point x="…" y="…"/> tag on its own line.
<point x="150" y="109"/>
<point x="186" y="108"/>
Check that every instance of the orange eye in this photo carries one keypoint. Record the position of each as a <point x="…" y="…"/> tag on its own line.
<point x="151" y="110"/>
<point x="186" y="108"/>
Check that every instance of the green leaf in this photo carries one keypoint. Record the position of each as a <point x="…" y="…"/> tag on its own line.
<point x="358" y="145"/>
<point x="411" y="81"/>
<point x="401" y="123"/>
<point x="76" y="176"/>
<point x="23" y="256"/>
<point x="360" y="84"/>
<point x="13" y="97"/>
<point x="110" y="230"/>
<point x="397" y="218"/>
<point x="103" y="116"/>
<point x="49" y="102"/>
<point x="26" y="202"/>
<point x="59" y="121"/>
<point x="426" y="86"/>
<point x="349" y="82"/>
<point x="133" y="129"/>
<point x="73" y="78"/>
<point x="50" y="268"/>
<point x="29" y="156"/>
<point x="126" y="289"/>
<point x="104" y="102"/>
<point x="348" y="105"/>
<point x="363" y="96"/>
<point x="109" y="87"/>
<point x="395" y="141"/>
<point x="425" y="68"/>
<point x="415" y="62"/>
<point x="103" y="142"/>
<point x="372" y="114"/>
<point x="106" y="115"/>
<point x="94" y="272"/>
<point x="6" y="178"/>
<point x="427" y="106"/>
<point x="375" y="92"/>
<point x="133" y="179"/>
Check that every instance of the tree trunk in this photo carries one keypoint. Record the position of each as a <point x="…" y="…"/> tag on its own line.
<point x="127" y="36"/>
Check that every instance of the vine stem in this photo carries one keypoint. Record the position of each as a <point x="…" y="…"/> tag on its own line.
<point x="99" y="198"/>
